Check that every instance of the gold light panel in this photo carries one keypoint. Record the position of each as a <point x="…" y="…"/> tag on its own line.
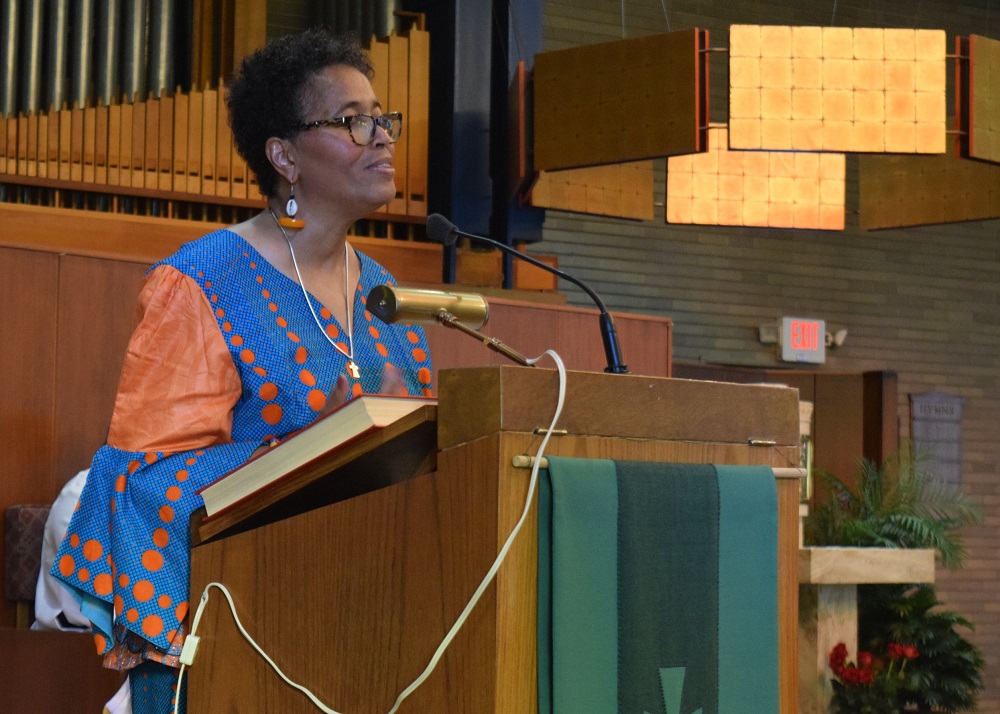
<point x="619" y="190"/>
<point x="837" y="89"/>
<point x="616" y="102"/>
<point x="898" y="191"/>
<point x="984" y="98"/>
<point x="756" y="188"/>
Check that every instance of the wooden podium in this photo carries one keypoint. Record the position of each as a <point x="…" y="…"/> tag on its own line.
<point x="352" y="598"/>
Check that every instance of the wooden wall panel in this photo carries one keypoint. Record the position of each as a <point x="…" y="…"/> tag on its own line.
<point x="125" y="141"/>
<point x="32" y="145"/>
<point x="103" y="235"/>
<point x="417" y="123"/>
<point x="26" y="383"/>
<point x="855" y="413"/>
<point x="249" y="28"/>
<point x="27" y="682"/>
<point x="43" y="145"/>
<point x="4" y="134"/>
<point x="96" y="315"/>
<point x="901" y="190"/>
<point x="89" y="144"/>
<point x="398" y="96"/>
<point x="838" y="429"/>
<point x="579" y="93"/>
<point x="65" y="140"/>
<point x="619" y="190"/>
<point x="574" y="333"/>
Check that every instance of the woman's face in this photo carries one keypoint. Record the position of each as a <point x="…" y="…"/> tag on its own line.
<point x="334" y="170"/>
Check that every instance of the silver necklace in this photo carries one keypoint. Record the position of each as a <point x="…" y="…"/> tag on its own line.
<point x="352" y="366"/>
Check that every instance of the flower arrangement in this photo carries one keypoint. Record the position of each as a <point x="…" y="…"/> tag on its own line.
<point x="899" y="504"/>
<point x="875" y="685"/>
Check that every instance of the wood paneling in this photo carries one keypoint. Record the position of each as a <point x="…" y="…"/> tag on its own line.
<point x="95" y="319"/>
<point x="27" y="366"/>
<point x="854" y="414"/>
<point x="619" y="190"/>
<point x="581" y="95"/>
<point x="145" y="240"/>
<point x="48" y="672"/>
<point x="898" y="191"/>
<point x="838" y="425"/>
<point x="574" y="333"/>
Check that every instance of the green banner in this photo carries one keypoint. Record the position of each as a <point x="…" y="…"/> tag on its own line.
<point x="657" y="588"/>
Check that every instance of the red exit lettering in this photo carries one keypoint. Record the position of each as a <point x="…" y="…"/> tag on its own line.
<point x="805" y="335"/>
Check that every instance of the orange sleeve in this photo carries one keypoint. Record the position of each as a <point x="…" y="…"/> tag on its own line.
<point x="178" y="385"/>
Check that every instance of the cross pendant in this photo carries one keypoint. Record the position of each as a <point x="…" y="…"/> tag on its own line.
<point x="353" y="369"/>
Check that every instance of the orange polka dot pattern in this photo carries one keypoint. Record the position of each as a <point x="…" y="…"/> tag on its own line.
<point x="126" y="550"/>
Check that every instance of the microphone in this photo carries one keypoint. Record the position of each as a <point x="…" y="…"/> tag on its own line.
<point x="392" y="303"/>
<point x="466" y="312"/>
<point x="441" y="230"/>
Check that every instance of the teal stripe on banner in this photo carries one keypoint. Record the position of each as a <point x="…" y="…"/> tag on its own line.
<point x="584" y="563"/>
<point x="544" y="623"/>
<point x="748" y="599"/>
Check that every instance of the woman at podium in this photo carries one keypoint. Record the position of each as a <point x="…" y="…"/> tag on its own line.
<point x="245" y="335"/>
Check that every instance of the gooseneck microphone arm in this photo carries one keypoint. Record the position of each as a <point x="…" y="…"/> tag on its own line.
<point x="441" y="230"/>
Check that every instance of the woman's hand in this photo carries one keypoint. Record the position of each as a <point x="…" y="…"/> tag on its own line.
<point x="337" y="395"/>
<point x="392" y="382"/>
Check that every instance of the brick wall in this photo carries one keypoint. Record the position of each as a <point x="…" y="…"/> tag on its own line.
<point x="922" y="302"/>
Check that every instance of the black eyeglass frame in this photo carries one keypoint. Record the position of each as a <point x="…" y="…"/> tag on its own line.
<point x="379" y="121"/>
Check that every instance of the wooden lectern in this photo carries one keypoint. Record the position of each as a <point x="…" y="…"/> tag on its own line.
<point x="352" y="598"/>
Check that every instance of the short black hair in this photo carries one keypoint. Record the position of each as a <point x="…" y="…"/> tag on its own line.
<point x="267" y="95"/>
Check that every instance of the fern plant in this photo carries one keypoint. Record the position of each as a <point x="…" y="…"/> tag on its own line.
<point x="947" y="676"/>
<point x="896" y="505"/>
<point x="900" y="505"/>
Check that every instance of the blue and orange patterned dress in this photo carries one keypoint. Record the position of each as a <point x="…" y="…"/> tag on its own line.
<point x="226" y="357"/>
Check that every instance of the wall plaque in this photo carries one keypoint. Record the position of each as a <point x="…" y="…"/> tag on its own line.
<point x="936" y="430"/>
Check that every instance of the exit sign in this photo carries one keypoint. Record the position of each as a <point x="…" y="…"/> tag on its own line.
<point x="803" y="340"/>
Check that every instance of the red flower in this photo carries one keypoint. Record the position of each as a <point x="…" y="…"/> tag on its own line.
<point x="874" y="683"/>
<point x="857" y="675"/>
<point x="897" y="651"/>
<point x="838" y="657"/>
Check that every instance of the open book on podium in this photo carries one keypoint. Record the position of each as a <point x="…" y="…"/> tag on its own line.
<point x="320" y="463"/>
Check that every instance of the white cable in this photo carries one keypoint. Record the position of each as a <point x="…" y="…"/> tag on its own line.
<point x="262" y="653"/>
<point x="177" y="697"/>
<point x="506" y="546"/>
<point x="459" y="622"/>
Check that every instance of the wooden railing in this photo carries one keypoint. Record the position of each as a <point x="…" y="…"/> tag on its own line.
<point x="180" y="148"/>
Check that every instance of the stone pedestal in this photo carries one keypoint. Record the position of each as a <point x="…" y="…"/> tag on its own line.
<point x="828" y="606"/>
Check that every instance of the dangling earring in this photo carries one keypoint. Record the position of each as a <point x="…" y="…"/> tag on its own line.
<point x="291" y="208"/>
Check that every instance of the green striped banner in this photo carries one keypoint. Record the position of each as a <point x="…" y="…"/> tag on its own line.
<point x="657" y="588"/>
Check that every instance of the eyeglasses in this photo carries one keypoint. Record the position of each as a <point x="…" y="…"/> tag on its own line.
<point x="362" y="126"/>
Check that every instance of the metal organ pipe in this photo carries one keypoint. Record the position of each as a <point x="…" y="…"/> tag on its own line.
<point x="134" y="52"/>
<point x="81" y="52"/>
<point x="8" y="57"/>
<point x="31" y="70"/>
<point x="108" y="53"/>
<point x="161" y="43"/>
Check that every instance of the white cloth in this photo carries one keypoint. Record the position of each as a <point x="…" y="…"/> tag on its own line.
<point x="121" y="703"/>
<point x="51" y="598"/>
